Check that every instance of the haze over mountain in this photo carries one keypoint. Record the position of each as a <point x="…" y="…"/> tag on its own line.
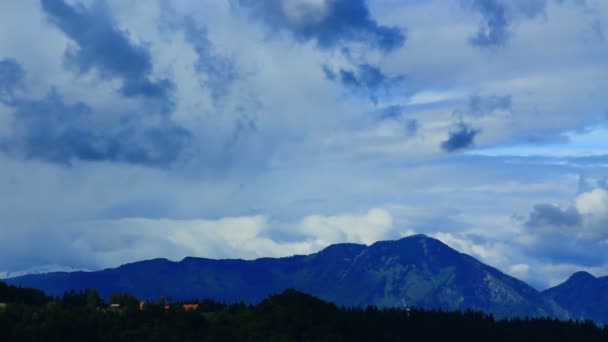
<point x="415" y="271"/>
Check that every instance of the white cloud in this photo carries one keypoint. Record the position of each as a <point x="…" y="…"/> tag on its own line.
<point x="593" y="206"/>
<point x="373" y="226"/>
<point x="112" y="242"/>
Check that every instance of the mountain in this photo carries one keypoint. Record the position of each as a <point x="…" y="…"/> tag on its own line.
<point x="414" y="271"/>
<point x="36" y="270"/>
<point x="583" y="295"/>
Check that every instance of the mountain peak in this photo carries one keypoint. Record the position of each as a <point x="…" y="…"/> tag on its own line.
<point x="425" y="241"/>
<point x="417" y="237"/>
<point x="411" y="238"/>
<point x="581" y="276"/>
<point x="343" y="246"/>
<point x="583" y="296"/>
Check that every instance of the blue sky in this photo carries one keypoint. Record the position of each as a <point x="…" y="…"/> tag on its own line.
<point x="242" y="128"/>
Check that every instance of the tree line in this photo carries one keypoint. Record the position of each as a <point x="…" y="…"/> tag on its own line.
<point x="30" y="315"/>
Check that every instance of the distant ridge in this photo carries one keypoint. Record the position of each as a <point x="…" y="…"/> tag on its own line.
<point x="583" y="295"/>
<point x="416" y="270"/>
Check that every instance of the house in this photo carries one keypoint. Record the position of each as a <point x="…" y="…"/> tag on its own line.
<point x="115" y="306"/>
<point x="185" y="307"/>
<point x="188" y="307"/>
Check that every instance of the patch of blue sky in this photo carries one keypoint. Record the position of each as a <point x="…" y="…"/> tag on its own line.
<point x="591" y="142"/>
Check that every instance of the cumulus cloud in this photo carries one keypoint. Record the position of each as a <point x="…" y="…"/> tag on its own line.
<point x="593" y="207"/>
<point x="586" y="219"/>
<point x="548" y="216"/>
<point x="99" y="45"/>
<point x="575" y="234"/>
<point x="329" y="23"/>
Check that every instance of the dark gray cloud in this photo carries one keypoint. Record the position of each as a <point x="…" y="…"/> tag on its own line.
<point x="50" y="129"/>
<point x="548" y="215"/>
<point x="461" y="137"/>
<point x="572" y="235"/>
<point x="329" y="23"/>
<point x="11" y="76"/>
<point x="99" y="45"/>
<point x="555" y="240"/>
<point x="497" y="16"/>
<point x="364" y="78"/>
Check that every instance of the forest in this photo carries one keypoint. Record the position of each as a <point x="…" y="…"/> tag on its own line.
<point x="30" y="315"/>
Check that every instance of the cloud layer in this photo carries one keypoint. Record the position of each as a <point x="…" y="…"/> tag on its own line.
<point x="241" y="128"/>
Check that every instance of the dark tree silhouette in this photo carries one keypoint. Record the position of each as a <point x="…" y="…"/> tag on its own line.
<point x="29" y="315"/>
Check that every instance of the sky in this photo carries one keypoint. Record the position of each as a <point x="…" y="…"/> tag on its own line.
<point x="133" y="130"/>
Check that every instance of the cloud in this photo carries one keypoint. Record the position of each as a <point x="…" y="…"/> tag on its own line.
<point x="593" y="206"/>
<point x="219" y="71"/>
<point x="497" y="16"/>
<point x="396" y="115"/>
<point x="494" y="28"/>
<point x="364" y="78"/>
<point x="330" y="23"/>
<point x="553" y="217"/>
<point x="491" y="252"/>
<point x="11" y="77"/>
<point x="461" y="137"/>
<point x="252" y="117"/>
<point x="53" y="130"/>
<point x="576" y="234"/>
<point x="586" y="219"/>
<point x="484" y="105"/>
<point x="110" y="243"/>
<point x="368" y="228"/>
<point x="99" y="45"/>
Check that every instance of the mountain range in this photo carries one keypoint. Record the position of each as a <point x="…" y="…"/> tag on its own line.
<point x="413" y="271"/>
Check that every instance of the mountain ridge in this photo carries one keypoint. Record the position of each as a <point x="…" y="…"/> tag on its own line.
<point x="417" y="270"/>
